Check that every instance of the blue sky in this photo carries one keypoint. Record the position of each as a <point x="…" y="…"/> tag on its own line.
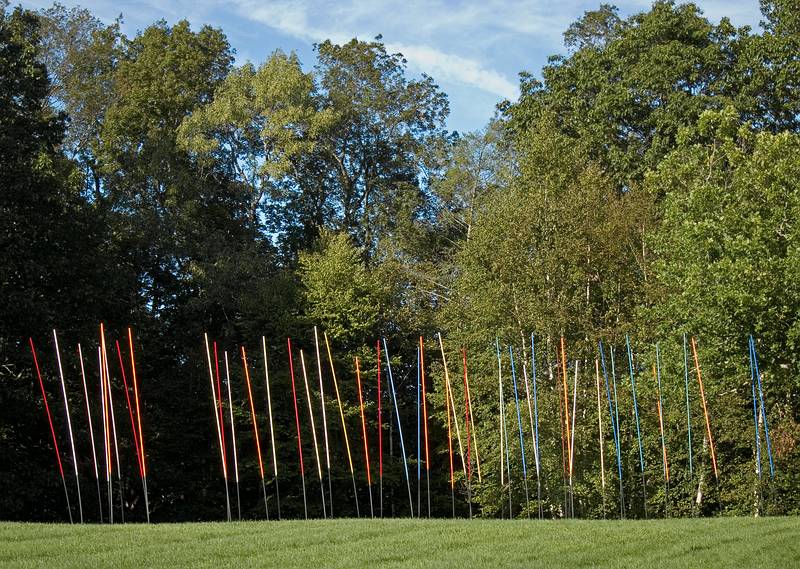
<point x="474" y="50"/>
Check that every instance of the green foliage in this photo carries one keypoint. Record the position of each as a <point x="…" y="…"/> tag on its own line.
<point x="340" y="294"/>
<point x="632" y="84"/>
<point x="648" y="185"/>
<point x="558" y="251"/>
<point x="726" y="266"/>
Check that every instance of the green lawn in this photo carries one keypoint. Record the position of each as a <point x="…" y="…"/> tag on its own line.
<point x="722" y="542"/>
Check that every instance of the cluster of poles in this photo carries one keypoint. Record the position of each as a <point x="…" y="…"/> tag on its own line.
<point x="470" y="463"/>
<point x="110" y="459"/>
<point x="460" y="449"/>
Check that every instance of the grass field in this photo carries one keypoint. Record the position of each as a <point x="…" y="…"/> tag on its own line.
<point x="722" y="542"/>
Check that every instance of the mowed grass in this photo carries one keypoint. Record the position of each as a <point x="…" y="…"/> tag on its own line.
<point x="655" y="544"/>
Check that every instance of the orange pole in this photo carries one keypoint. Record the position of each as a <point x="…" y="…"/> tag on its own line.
<point x="138" y="408"/>
<point x="424" y="402"/>
<point x="252" y="412"/>
<point x="705" y="408"/>
<point x="218" y="405"/>
<point x="130" y="408"/>
<point x="364" y="436"/>
<point x="472" y="420"/>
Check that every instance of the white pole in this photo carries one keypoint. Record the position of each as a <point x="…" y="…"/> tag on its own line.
<point x="69" y="425"/>
<point x="91" y="431"/>
<point x="233" y="435"/>
<point x="324" y="420"/>
<point x="313" y="433"/>
<point x="271" y="428"/>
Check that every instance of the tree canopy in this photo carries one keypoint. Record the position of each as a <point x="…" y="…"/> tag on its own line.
<point x="643" y="186"/>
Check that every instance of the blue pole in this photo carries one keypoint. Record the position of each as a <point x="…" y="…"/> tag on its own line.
<point x="419" y="440"/>
<point x="636" y="414"/>
<point x="519" y="417"/>
<point x="755" y="407"/>
<point x="503" y="424"/>
<point x="619" y="430"/>
<point x="519" y="424"/>
<point x="614" y="426"/>
<point x="399" y="426"/>
<point x="763" y="409"/>
<point x="635" y="403"/>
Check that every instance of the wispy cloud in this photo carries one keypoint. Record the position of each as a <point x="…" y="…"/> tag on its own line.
<point x="472" y="48"/>
<point x="453" y="68"/>
<point x="341" y="21"/>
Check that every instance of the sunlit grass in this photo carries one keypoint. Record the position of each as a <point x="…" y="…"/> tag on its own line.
<point x="719" y="542"/>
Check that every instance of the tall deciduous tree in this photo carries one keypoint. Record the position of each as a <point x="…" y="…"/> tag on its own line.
<point x="632" y="84"/>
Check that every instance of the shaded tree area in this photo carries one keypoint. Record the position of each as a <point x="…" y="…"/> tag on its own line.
<point x="644" y="188"/>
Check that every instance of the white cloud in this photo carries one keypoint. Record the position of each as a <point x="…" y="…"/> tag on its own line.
<point x="293" y="19"/>
<point x="453" y="68"/>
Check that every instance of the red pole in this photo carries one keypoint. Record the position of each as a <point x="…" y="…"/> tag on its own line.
<point x="297" y="423"/>
<point x="466" y="405"/>
<point x="380" y="428"/>
<point x="52" y="429"/>
<point x="130" y="409"/>
<point x="364" y="435"/>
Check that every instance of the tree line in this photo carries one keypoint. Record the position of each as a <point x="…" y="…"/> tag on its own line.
<point x="646" y="183"/>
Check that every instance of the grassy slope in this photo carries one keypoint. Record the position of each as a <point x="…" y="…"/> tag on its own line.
<point x="722" y="542"/>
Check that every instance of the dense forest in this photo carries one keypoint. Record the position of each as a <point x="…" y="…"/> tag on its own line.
<point x="643" y="189"/>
